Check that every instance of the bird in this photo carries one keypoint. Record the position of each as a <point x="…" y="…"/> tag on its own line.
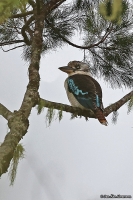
<point x="83" y="91"/>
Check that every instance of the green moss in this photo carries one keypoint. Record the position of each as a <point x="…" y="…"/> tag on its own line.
<point x="40" y="107"/>
<point x="73" y="115"/>
<point x="50" y="112"/>
<point x="60" y="115"/>
<point x="18" y="154"/>
<point x="50" y="116"/>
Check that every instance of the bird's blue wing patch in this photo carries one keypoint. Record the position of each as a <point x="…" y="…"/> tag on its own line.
<point x="97" y="99"/>
<point x="82" y="96"/>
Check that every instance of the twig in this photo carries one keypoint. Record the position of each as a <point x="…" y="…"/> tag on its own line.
<point x="7" y="114"/>
<point x="22" y="14"/>
<point x="13" y="48"/>
<point x="11" y="42"/>
<point x="75" y="45"/>
<point x="32" y="3"/>
<point x="54" y="4"/>
<point x="115" y="106"/>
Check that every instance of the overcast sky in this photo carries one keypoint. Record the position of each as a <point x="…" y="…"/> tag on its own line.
<point x="73" y="159"/>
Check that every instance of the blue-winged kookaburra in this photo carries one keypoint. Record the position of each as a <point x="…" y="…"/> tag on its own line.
<point x="83" y="91"/>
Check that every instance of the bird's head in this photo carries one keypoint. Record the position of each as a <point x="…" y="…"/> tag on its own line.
<point x="76" y="67"/>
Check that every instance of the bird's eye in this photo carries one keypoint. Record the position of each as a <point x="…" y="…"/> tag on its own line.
<point x="77" y="66"/>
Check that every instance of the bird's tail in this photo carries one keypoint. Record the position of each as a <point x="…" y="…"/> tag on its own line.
<point x="100" y="117"/>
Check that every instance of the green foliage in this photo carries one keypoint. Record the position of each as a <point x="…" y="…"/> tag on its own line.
<point x="8" y="30"/>
<point x="59" y="25"/>
<point x="64" y="21"/>
<point x="60" y="115"/>
<point x="7" y="7"/>
<point x="50" y="116"/>
<point x="18" y="154"/>
<point x="73" y="116"/>
<point x="111" y="10"/>
<point x="40" y="107"/>
<point x="115" y="117"/>
<point x="130" y="104"/>
<point x="111" y="59"/>
<point x="50" y="113"/>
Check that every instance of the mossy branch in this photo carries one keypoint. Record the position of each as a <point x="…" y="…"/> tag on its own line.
<point x="64" y="107"/>
<point x="17" y="156"/>
<point x="79" y="112"/>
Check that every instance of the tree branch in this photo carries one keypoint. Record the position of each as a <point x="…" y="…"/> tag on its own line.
<point x="26" y="40"/>
<point x="11" y="42"/>
<point x="115" y="106"/>
<point x="22" y="14"/>
<point x="7" y="114"/>
<point x="38" y="6"/>
<point x="19" y="122"/>
<point x="32" y="3"/>
<point x="93" y="52"/>
<point x="78" y="46"/>
<point x="18" y="125"/>
<point x="54" y="4"/>
<point x="66" y="108"/>
<point x="13" y="48"/>
<point x="85" y="113"/>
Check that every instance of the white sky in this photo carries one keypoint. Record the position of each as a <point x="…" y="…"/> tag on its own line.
<point x="73" y="159"/>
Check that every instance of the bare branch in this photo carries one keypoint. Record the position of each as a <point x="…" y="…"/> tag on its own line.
<point x="22" y="14"/>
<point x="7" y="114"/>
<point x="93" y="52"/>
<point x="115" y="106"/>
<point x="11" y="42"/>
<point x="54" y="4"/>
<point x="32" y="3"/>
<point x="13" y="48"/>
<point x="75" y="45"/>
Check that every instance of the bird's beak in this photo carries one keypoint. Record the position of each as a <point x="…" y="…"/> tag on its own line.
<point x="66" y="69"/>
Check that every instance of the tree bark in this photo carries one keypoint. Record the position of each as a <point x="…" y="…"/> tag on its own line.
<point x="18" y="121"/>
<point x="7" y="114"/>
